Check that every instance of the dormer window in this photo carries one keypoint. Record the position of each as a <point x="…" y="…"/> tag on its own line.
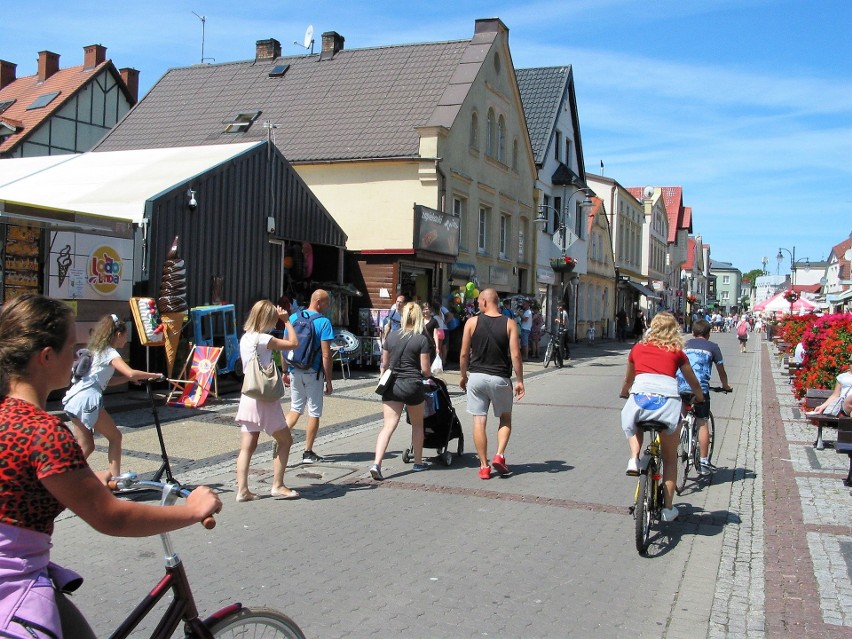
<point x="242" y="122"/>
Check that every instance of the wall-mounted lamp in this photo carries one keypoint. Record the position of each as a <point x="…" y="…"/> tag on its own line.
<point x="193" y="203"/>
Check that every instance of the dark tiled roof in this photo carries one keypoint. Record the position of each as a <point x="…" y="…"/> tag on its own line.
<point x="27" y="89"/>
<point x="542" y="91"/>
<point x="363" y="103"/>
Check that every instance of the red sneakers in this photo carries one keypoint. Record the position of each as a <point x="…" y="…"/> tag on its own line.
<point x="485" y="473"/>
<point x="499" y="464"/>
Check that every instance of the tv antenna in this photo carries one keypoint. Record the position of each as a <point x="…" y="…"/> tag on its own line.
<point x="308" y="42"/>
<point x="203" y="23"/>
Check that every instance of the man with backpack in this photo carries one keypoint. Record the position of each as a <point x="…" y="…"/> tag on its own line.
<point x="309" y="363"/>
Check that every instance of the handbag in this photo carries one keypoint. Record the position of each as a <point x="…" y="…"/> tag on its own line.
<point x="833" y="409"/>
<point x="262" y="382"/>
<point x="386" y="380"/>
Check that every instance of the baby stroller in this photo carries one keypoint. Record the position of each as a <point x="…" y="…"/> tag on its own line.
<point x="441" y="425"/>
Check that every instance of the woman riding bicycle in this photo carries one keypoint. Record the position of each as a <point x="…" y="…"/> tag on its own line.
<point x="45" y="471"/>
<point x="650" y="389"/>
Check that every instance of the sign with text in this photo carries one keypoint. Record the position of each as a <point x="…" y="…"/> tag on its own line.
<point x="436" y="231"/>
<point x="88" y="266"/>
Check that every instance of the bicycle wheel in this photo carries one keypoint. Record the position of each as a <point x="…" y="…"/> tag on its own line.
<point x="258" y="622"/>
<point x="548" y="354"/>
<point x="642" y="513"/>
<point x="711" y="424"/>
<point x="682" y="458"/>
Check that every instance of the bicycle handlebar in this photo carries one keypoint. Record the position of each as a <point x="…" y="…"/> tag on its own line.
<point x="721" y="389"/>
<point x="123" y="482"/>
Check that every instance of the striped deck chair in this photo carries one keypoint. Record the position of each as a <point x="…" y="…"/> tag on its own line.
<point x="196" y="378"/>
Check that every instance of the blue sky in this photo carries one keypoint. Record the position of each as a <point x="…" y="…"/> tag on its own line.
<point x="747" y="105"/>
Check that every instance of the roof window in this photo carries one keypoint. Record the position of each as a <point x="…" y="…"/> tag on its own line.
<point x="5" y="104"/>
<point x="43" y="100"/>
<point x="278" y="70"/>
<point x="242" y="122"/>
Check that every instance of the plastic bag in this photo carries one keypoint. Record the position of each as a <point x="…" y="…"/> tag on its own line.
<point x="437" y="366"/>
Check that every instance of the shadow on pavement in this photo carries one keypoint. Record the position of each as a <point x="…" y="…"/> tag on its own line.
<point x="691" y="521"/>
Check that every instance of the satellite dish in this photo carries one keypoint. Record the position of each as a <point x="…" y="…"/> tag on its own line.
<point x="309" y="38"/>
<point x="649" y="192"/>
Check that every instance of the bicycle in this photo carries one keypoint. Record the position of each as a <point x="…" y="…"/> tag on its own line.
<point x="554" y="353"/>
<point x="688" y="450"/>
<point x="649" y="500"/>
<point x="233" y="620"/>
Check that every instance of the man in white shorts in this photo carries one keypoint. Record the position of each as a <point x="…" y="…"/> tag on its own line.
<point x="490" y="351"/>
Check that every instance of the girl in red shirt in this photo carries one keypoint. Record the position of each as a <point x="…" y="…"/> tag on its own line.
<point x="650" y="388"/>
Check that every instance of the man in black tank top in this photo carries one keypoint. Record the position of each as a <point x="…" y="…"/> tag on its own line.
<point x="490" y="351"/>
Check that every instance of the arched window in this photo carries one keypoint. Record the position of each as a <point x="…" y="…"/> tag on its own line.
<point x="501" y="140"/>
<point x="490" y="134"/>
<point x="474" y="131"/>
<point x="515" y="154"/>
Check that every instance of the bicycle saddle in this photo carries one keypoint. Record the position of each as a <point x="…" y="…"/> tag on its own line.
<point x="652" y="425"/>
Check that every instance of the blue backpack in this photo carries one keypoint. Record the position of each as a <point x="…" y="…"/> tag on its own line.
<point x="305" y="353"/>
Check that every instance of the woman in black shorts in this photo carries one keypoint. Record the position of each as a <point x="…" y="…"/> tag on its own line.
<point x="406" y="352"/>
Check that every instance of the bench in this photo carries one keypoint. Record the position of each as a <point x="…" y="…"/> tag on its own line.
<point x="791" y="367"/>
<point x="813" y="398"/>
<point x="844" y="444"/>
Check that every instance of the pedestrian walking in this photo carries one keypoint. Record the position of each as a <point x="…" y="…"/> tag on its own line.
<point x="742" y="334"/>
<point x="650" y="388"/>
<point x="491" y="350"/>
<point x="256" y="415"/>
<point x="84" y="401"/>
<point x="45" y="471"/>
<point x="535" y="335"/>
<point x="393" y="319"/>
<point x="407" y="353"/>
<point x="306" y="384"/>
<point x="639" y="325"/>
<point x="526" y="317"/>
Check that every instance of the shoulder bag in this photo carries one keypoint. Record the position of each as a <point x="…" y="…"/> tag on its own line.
<point x="262" y="382"/>
<point x="386" y="380"/>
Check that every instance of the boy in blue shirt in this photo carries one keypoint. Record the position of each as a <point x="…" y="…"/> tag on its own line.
<point x="702" y="354"/>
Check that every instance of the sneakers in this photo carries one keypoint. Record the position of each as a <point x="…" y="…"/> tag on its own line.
<point x="485" y="473"/>
<point x="417" y="468"/>
<point x="670" y="514"/>
<point x="376" y="472"/>
<point x="310" y="457"/>
<point x="633" y="467"/>
<point x="705" y="468"/>
<point x="499" y="464"/>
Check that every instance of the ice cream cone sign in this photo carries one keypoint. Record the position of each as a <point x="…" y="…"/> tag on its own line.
<point x="172" y="302"/>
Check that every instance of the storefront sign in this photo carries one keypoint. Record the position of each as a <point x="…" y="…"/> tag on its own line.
<point x="88" y="266"/>
<point x="545" y="275"/>
<point x="435" y="231"/>
<point x="498" y="276"/>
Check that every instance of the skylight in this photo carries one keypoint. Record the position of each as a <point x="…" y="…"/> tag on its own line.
<point x="242" y="122"/>
<point x="278" y="70"/>
<point x="5" y="104"/>
<point x="43" y="100"/>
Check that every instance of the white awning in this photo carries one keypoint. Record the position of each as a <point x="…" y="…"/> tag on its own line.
<point x="113" y="184"/>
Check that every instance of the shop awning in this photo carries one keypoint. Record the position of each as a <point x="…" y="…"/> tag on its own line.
<point x="840" y="297"/>
<point x="644" y="290"/>
<point x="113" y="184"/>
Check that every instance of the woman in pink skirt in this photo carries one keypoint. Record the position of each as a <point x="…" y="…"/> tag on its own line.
<point x="255" y="415"/>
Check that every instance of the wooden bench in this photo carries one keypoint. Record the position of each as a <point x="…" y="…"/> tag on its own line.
<point x="790" y="366"/>
<point x="813" y="398"/>
<point x="844" y="444"/>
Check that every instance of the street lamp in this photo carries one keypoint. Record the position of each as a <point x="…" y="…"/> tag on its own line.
<point x="561" y="216"/>
<point x="780" y="258"/>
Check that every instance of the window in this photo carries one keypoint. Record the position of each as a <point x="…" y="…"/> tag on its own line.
<point x="568" y="152"/>
<point x="43" y="100"/>
<point x="459" y="209"/>
<point x="578" y="219"/>
<point x="558" y="146"/>
<point x="724" y="295"/>
<point x="726" y="279"/>
<point x="242" y="122"/>
<point x="515" y="154"/>
<point x="5" y="104"/>
<point x="474" y="131"/>
<point x="482" y="242"/>
<point x="501" y="140"/>
<point x="505" y="227"/>
<point x="555" y="213"/>
<point x="490" y="134"/>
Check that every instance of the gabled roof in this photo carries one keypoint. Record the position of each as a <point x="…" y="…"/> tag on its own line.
<point x="65" y="83"/>
<point x="542" y="92"/>
<point x="360" y="103"/>
<point x="597" y="207"/>
<point x="673" y="197"/>
<point x="689" y="264"/>
<point x="635" y="191"/>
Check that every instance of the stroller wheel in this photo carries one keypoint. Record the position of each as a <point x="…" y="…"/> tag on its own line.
<point x="447" y="458"/>
<point x="406" y="456"/>
<point x="460" y="450"/>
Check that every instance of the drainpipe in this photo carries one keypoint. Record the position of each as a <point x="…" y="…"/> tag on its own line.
<point x="442" y="190"/>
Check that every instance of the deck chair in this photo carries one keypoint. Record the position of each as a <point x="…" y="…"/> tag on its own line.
<point x="196" y="377"/>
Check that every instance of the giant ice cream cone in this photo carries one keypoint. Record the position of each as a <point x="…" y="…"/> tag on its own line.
<point x="172" y="303"/>
<point x="172" y="325"/>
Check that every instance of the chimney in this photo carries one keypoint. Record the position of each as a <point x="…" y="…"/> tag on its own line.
<point x="93" y="55"/>
<point x="332" y="42"/>
<point x="7" y="73"/>
<point x="267" y="49"/>
<point x="48" y="64"/>
<point x="131" y="81"/>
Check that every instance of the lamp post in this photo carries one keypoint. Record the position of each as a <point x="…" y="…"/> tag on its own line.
<point x="765" y="262"/>
<point x="780" y="258"/>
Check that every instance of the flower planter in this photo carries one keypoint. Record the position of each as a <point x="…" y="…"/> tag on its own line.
<point x="560" y="266"/>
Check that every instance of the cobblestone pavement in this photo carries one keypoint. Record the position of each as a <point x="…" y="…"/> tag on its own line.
<point x="763" y="550"/>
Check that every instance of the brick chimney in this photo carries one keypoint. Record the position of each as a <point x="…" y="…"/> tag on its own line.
<point x="48" y="64"/>
<point x="267" y="49"/>
<point x="7" y="73"/>
<point x="131" y="80"/>
<point x="93" y="55"/>
<point x="332" y="42"/>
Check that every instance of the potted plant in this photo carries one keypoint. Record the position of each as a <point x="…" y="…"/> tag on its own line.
<point x="691" y="299"/>
<point x="791" y="296"/>
<point x="563" y="264"/>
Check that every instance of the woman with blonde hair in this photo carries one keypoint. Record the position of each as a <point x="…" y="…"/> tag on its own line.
<point x="650" y="388"/>
<point x="84" y="401"/>
<point x="255" y="415"/>
<point x="406" y="352"/>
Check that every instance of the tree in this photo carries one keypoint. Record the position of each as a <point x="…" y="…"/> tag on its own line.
<point x="752" y="275"/>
